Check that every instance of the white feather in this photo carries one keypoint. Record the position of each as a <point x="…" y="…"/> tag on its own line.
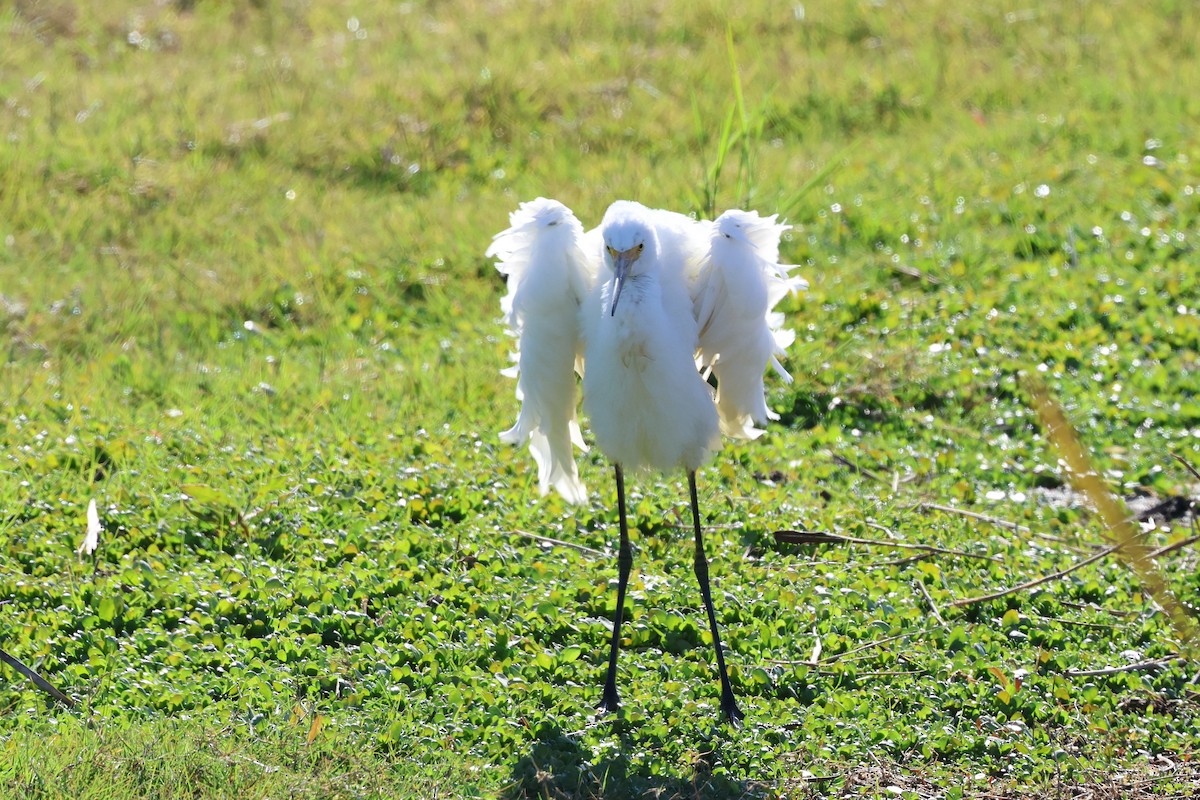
<point x="738" y="284"/>
<point x="91" y="539"/>
<point x="548" y="276"/>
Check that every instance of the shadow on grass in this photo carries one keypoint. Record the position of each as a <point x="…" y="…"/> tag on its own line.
<point x="557" y="767"/>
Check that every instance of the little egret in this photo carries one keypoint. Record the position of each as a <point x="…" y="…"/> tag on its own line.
<point x="645" y="308"/>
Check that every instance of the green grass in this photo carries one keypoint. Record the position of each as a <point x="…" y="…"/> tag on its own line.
<point x="246" y="309"/>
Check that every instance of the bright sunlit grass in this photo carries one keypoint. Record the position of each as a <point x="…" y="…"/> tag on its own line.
<point x="246" y="309"/>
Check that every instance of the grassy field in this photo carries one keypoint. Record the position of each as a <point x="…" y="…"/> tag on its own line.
<point x="246" y="310"/>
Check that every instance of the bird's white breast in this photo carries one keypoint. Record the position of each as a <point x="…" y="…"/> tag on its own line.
<point x="647" y="404"/>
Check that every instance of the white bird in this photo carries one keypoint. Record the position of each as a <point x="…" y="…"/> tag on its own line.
<point x="644" y="307"/>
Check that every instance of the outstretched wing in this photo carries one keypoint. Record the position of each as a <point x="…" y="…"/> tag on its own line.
<point x="737" y="284"/>
<point x="549" y="275"/>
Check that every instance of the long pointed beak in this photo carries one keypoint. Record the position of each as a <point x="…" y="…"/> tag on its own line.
<point x="621" y="264"/>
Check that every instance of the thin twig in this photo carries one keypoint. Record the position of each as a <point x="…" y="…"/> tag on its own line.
<point x="809" y="537"/>
<point x="932" y="605"/>
<point x="879" y="527"/>
<point x="845" y="462"/>
<point x="876" y="643"/>
<point x="883" y="673"/>
<point x="821" y="662"/>
<point x="1100" y="626"/>
<point x="1138" y="667"/>
<point x="37" y="679"/>
<point x="1094" y="607"/>
<point x="1171" y="548"/>
<point x="966" y="601"/>
<point x="560" y="542"/>
<point x="1003" y="523"/>
<point x="1186" y="465"/>
<point x="913" y="272"/>
<point x="899" y="562"/>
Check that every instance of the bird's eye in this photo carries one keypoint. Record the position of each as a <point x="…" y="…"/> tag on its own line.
<point x="551" y="224"/>
<point x="641" y="247"/>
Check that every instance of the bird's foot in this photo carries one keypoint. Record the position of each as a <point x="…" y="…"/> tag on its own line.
<point x="733" y="714"/>
<point x="608" y="701"/>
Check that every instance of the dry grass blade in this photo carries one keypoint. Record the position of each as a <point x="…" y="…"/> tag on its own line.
<point x="1125" y="536"/>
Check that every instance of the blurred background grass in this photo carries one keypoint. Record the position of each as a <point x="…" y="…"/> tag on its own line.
<point x="323" y="177"/>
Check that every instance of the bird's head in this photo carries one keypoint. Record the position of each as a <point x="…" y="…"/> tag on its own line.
<point x="732" y="225"/>
<point x="629" y="245"/>
<point x="749" y="228"/>
<point x="545" y="213"/>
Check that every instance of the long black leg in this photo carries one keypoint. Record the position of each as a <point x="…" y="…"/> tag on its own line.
<point x="729" y="706"/>
<point x="609" y="701"/>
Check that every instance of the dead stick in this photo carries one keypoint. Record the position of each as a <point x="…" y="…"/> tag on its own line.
<point x="38" y="680"/>
<point x="1039" y="581"/>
